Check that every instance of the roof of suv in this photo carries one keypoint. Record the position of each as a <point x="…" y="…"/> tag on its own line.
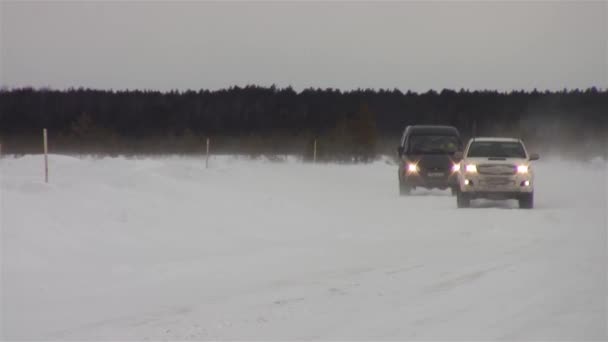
<point x="432" y="129"/>
<point x="495" y="139"/>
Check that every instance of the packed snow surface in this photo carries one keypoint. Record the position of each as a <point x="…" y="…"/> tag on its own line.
<point x="163" y="248"/>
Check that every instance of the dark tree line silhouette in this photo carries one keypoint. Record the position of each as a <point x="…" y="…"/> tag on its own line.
<point x="348" y="125"/>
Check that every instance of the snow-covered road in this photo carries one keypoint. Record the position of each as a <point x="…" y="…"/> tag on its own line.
<point x="162" y="248"/>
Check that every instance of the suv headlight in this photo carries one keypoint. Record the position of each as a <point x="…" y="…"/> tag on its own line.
<point x="412" y="167"/>
<point x="472" y="168"/>
<point x="522" y="169"/>
<point x="455" y="167"/>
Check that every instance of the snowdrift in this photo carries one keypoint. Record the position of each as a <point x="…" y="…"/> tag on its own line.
<point x="163" y="248"/>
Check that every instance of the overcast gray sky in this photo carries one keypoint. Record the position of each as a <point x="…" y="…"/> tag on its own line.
<point x="407" y="45"/>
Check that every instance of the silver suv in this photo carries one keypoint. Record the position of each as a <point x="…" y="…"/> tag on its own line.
<point x="496" y="168"/>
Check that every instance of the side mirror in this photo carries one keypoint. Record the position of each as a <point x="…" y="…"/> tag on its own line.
<point x="400" y="150"/>
<point x="534" y="156"/>
<point x="458" y="155"/>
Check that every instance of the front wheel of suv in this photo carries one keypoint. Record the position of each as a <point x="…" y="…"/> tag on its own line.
<point x="462" y="199"/>
<point x="404" y="189"/>
<point x="526" y="201"/>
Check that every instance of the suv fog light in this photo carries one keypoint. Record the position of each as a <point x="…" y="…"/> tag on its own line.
<point x="468" y="182"/>
<point x="525" y="183"/>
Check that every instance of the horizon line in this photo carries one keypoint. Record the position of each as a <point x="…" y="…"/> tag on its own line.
<point x="276" y="87"/>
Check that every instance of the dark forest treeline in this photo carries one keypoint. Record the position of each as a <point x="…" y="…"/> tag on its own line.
<point x="257" y="119"/>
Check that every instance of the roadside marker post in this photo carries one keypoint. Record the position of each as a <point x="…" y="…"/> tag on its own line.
<point x="46" y="157"/>
<point x="314" y="153"/>
<point x="207" y="158"/>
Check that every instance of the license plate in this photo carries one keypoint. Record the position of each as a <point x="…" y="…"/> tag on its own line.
<point x="436" y="174"/>
<point x="498" y="181"/>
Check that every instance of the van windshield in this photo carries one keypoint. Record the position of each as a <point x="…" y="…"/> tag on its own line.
<point x="496" y="149"/>
<point x="434" y="144"/>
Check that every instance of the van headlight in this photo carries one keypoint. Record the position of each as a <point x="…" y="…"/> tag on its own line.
<point x="472" y="168"/>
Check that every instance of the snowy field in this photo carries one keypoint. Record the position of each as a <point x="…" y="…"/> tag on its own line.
<point x="162" y="248"/>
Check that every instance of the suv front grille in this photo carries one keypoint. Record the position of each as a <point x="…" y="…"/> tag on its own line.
<point x="434" y="169"/>
<point x="496" y="169"/>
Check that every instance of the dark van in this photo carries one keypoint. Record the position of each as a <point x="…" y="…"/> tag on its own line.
<point x="426" y="158"/>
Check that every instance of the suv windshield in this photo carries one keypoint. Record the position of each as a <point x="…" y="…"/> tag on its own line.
<point x="433" y="144"/>
<point x="496" y="149"/>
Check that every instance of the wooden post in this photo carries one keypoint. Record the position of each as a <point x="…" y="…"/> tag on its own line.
<point x="474" y="128"/>
<point x="46" y="158"/>
<point x="207" y="159"/>
<point x="314" y="152"/>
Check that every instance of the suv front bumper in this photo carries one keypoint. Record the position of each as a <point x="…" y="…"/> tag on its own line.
<point x="429" y="181"/>
<point x="496" y="186"/>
